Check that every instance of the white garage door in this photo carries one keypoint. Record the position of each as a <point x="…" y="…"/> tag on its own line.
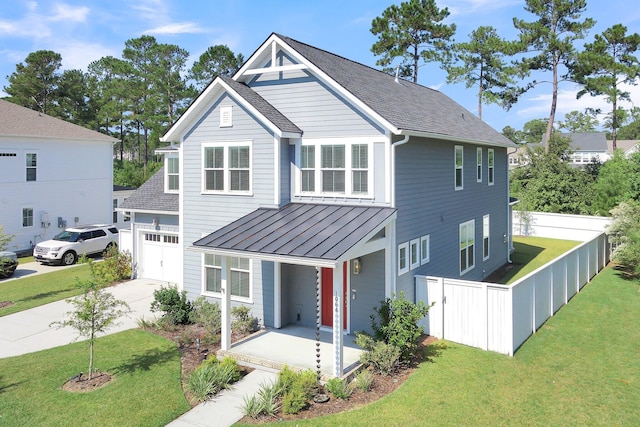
<point x="160" y="258"/>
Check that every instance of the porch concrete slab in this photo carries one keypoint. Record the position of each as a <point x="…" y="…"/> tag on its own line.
<point x="225" y="409"/>
<point x="295" y="347"/>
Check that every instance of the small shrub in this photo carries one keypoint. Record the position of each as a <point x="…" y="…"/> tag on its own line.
<point x="146" y="324"/>
<point x="186" y="338"/>
<point x="232" y="365"/>
<point x="252" y="407"/>
<point x="382" y="357"/>
<point x="268" y="395"/>
<point x="244" y="323"/>
<point x="294" y="401"/>
<point x="172" y="304"/>
<point x="207" y="314"/>
<point x="115" y="266"/>
<point x="7" y="267"/>
<point x="209" y="378"/>
<point x="286" y="379"/>
<point x="308" y="382"/>
<point x="339" y="388"/>
<point x="364" y="380"/>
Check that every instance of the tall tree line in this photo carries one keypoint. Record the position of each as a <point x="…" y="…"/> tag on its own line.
<point x="134" y="98"/>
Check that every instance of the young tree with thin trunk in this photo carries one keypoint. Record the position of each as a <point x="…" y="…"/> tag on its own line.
<point x="480" y="62"/>
<point x="550" y="40"/>
<point x="412" y="31"/>
<point x="605" y="67"/>
<point x="94" y="312"/>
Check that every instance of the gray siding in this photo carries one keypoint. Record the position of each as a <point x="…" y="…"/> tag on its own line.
<point x="205" y="213"/>
<point x="428" y="204"/>
<point x="299" y="292"/>
<point x="369" y="291"/>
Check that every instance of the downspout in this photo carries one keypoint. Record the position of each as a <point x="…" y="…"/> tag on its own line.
<point x="393" y="167"/>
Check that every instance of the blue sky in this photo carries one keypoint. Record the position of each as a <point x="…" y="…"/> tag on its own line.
<point x="83" y="31"/>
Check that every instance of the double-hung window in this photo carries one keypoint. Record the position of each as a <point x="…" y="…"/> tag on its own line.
<point x="27" y="217"/>
<point x="485" y="237"/>
<point x="403" y="258"/>
<point x="239" y="275"/>
<point x="227" y="168"/>
<point x="490" y="164"/>
<point x="31" y="166"/>
<point x="359" y="168"/>
<point x="333" y="168"/>
<point x="173" y="174"/>
<point x="458" y="167"/>
<point x="308" y="168"/>
<point x="466" y="239"/>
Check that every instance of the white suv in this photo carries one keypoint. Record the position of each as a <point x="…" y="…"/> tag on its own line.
<point x="67" y="246"/>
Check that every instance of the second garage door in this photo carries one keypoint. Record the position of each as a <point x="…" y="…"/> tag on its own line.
<point x="160" y="258"/>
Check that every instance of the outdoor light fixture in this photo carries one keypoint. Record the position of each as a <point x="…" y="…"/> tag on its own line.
<point x="357" y="266"/>
<point x="155" y="222"/>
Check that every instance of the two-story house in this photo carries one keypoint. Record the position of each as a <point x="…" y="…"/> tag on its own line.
<point x="313" y="187"/>
<point x="53" y="174"/>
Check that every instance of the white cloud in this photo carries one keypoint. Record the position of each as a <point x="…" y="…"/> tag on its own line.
<point x="468" y="7"/>
<point x="177" y="28"/>
<point x="67" y="13"/>
<point x="78" y="54"/>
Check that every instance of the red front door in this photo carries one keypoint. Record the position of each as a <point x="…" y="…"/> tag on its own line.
<point x="327" y="296"/>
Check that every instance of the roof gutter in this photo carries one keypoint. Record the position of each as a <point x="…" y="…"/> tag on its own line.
<point x="393" y="167"/>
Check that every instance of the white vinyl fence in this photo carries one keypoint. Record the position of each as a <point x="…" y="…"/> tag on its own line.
<point x="499" y="317"/>
<point x="558" y="226"/>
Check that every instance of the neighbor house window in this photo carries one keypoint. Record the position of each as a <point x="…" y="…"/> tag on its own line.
<point x="467" y="237"/>
<point x="27" y="217"/>
<point x="307" y="165"/>
<point x="115" y="212"/>
<point x="227" y="168"/>
<point x="173" y="174"/>
<point x="485" y="237"/>
<point x="403" y="258"/>
<point x="458" y="166"/>
<point x="333" y="168"/>
<point x="479" y="164"/>
<point x="359" y="168"/>
<point x="490" y="163"/>
<point x="31" y="166"/>
<point x="414" y="253"/>
<point x="226" y="117"/>
<point x="424" y="249"/>
<point x="239" y="278"/>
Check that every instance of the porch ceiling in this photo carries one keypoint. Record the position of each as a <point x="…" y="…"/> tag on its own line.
<point x="298" y="232"/>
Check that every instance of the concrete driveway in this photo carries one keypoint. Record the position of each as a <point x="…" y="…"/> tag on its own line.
<point x="31" y="268"/>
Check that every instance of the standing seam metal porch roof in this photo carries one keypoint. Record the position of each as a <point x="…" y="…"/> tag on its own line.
<point x="299" y="230"/>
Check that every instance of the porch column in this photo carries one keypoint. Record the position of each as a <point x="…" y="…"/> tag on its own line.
<point x="225" y="304"/>
<point x="277" y="296"/>
<point x="338" y="320"/>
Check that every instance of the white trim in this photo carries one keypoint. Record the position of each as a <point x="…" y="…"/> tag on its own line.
<point x="486" y="234"/>
<point x="237" y="298"/>
<point x="275" y="69"/>
<point x="403" y="246"/>
<point x="226" y="116"/>
<point x="167" y="174"/>
<point x="471" y="222"/>
<point x="491" y="169"/>
<point x="311" y="262"/>
<point x="455" y="168"/>
<point x="225" y="168"/>
<point x="415" y="243"/>
<point x="277" y="170"/>
<point x="479" y="164"/>
<point x="425" y="254"/>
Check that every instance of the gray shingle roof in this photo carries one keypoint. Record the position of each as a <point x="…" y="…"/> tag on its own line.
<point x="299" y="230"/>
<point x="264" y="107"/>
<point x="16" y="120"/>
<point x="406" y="105"/>
<point x="151" y="196"/>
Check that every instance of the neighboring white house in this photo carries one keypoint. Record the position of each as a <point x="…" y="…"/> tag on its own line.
<point x="628" y="146"/>
<point x="587" y="147"/>
<point x="120" y="194"/>
<point x="52" y="174"/>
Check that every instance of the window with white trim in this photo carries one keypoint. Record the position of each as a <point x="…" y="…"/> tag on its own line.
<point x="359" y="168"/>
<point x="479" y="164"/>
<point x="424" y="249"/>
<point x="239" y="276"/>
<point x="403" y="258"/>
<point x="32" y="163"/>
<point x="173" y="175"/>
<point x="485" y="237"/>
<point x="336" y="166"/>
<point x="226" y="168"/>
<point x="27" y="217"/>
<point x="414" y="253"/>
<point x="490" y="164"/>
<point x="226" y="116"/>
<point x="458" y="167"/>
<point x="308" y="168"/>
<point x="466" y="239"/>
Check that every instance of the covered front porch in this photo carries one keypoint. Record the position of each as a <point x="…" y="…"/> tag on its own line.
<point x="324" y="240"/>
<point x="295" y="347"/>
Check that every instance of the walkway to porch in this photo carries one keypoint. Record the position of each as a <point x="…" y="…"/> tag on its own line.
<point x="295" y="347"/>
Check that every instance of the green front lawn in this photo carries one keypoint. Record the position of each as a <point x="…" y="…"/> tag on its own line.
<point x="146" y="390"/>
<point x="580" y="368"/>
<point x="40" y="289"/>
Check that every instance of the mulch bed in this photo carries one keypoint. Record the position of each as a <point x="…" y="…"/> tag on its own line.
<point x="4" y="304"/>
<point x="82" y="383"/>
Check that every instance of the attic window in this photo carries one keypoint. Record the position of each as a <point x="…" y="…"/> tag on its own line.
<point x="226" y="117"/>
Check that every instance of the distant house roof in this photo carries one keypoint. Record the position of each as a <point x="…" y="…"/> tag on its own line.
<point x="16" y="120"/>
<point x="151" y="197"/>
<point x="584" y="141"/>
<point x="298" y="231"/>
<point x="626" y="145"/>
<point x="122" y="188"/>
